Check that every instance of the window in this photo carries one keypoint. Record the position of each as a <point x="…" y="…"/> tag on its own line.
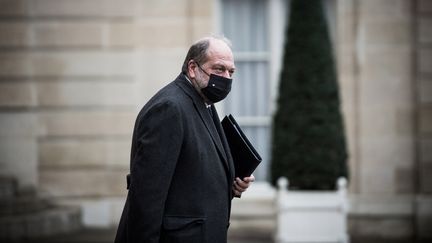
<point x="256" y="29"/>
<point x="245" y="23"/>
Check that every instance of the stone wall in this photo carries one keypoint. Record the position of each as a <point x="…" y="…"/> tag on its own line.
<point x="73" y="76"/>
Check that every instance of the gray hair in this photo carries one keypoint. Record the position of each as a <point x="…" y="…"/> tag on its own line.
<point x="198" y="51"/>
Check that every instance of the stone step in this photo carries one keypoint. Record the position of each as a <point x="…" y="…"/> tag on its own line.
<point x="253" y="208"/>
<point x="22" y="205"/>
<point x="8" y="187"/>
<point x="43" y="223"/>
<point x="258" y="201"/>
<point x="254" y="215"/>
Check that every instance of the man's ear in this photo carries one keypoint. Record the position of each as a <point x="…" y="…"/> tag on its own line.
<point x="191" y="68"/>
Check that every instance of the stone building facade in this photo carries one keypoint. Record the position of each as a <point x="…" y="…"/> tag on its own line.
<point x="74" y="74"/>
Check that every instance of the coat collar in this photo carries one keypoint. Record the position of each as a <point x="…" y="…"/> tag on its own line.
<point x="204" y="113"/>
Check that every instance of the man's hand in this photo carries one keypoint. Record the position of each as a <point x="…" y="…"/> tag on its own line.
<point x="241" y="186"/>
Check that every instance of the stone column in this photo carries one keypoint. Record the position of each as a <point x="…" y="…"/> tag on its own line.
<point x="376" y="73"/>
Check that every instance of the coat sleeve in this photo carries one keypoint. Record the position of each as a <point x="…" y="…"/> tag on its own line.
<point x="159" y="140"/>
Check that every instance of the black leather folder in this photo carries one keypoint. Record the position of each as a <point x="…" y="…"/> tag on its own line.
<point x="245" y="157"/>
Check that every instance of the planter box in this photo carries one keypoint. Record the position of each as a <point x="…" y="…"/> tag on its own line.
<point x="311" y="216"/>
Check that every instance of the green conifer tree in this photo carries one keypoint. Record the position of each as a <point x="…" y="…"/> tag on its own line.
<point x="308" y="135"/>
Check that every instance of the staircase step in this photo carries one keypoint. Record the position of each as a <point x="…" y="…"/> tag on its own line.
<point x="257" y="202"/>
<point x="22" y="205"/>
<point x="253" y="208"/>
<point x="51" y="221"/>
<point x="253" y="215"/>
<point x="8" y="187"/>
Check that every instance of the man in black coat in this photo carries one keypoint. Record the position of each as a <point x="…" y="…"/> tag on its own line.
<point x="182" y="174"/>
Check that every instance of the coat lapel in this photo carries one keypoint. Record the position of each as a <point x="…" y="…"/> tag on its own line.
<point x="204" y="114"/>
<point x="224" y="141"/>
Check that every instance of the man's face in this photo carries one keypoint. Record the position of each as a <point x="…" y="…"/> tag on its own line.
<point x="220" y="62"/>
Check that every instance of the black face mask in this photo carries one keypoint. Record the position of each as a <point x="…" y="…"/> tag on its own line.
<point x="218" y="87"/>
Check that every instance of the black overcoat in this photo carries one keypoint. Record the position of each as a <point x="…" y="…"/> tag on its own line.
<point x="181" y="172"/>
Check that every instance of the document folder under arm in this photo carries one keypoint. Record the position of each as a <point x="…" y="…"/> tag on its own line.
<point x="245" y="157"/>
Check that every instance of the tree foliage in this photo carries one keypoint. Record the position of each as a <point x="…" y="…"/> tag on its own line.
<point x="308" y="135"/>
